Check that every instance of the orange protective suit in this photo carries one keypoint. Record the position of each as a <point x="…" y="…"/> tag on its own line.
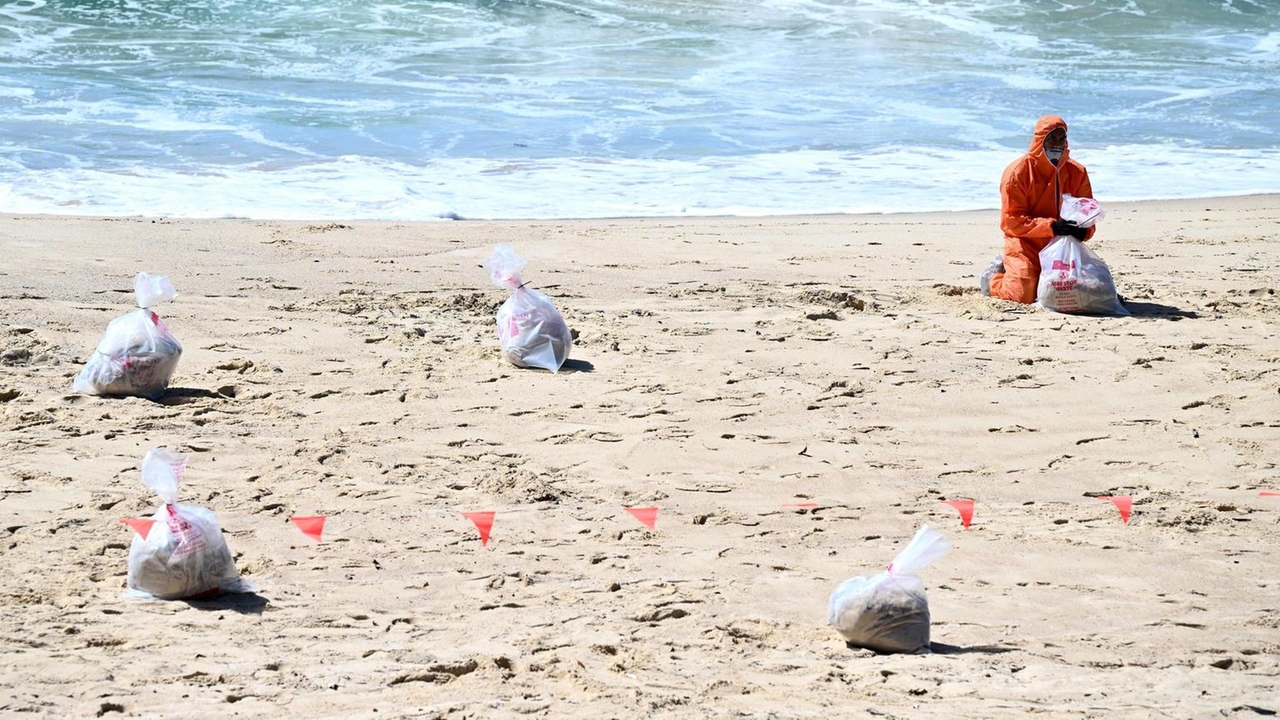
<point x="1031" y="196"/>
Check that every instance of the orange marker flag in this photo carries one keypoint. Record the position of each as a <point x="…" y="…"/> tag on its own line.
<point x="1123" y="503"/>
<point x="142" y="526"/>
<point x="1268" y="493"/>
<point x="484" y="523"/>
<point x="311" y="525"/>
<point x="966" y="510"/>
<point x="801" y="505"/>
<point x="647" y="515"/>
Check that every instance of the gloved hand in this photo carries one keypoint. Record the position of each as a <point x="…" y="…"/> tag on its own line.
<point x="1066" y="227"/>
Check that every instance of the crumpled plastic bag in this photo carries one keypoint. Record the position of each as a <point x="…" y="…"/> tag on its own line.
<point x="889" y="612"/>
<point x="1073" y="279"/>
<point x="1085" y="212"/>
<point x="184" y="555"/>
<point x="532" y="332"/>
<point x="137" y="354"/>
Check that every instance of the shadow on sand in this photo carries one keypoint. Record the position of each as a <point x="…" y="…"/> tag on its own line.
<point x="1156" y="310"/>
<point x="184" y="395"/>
<point x="945" y="649"/>
<point x="243" y="603"/>
<point x="577" y="366"/>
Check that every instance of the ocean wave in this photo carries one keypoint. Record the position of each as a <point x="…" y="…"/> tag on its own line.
<point x="552" y="108"/>
<point x="890" y="180"/>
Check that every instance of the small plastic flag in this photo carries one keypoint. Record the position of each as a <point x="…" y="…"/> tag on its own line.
<point x="646" y="515"/>
<point x="311" y="525"/>
<point x="1269" y="493"/>
<point x="801" y="505"/>
<point x="484" y="523"/>
<point x="1123" y="503"/>
<point x="966" y="510"/>
<point x="142" y="526"/>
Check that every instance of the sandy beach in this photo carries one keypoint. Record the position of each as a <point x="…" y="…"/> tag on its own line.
<point x="723" y="369"/>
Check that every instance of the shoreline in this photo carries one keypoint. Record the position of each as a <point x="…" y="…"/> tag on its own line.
<point x="725" y="370"/>
<point x="1247" y="197"/>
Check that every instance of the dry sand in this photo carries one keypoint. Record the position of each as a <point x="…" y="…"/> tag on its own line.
<point x="724" y="367"/>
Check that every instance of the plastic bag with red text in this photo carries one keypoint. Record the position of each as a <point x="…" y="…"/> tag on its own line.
<point x="532" y="332"/>
<point x="137" y="354"/>
<point x="183" y="555"/>
<point x="1073" y="279"/>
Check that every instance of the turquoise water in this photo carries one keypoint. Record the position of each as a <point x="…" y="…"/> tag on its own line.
<point x="488" y="109"/>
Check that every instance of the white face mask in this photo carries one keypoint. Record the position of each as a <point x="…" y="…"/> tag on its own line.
<point x="1054" y="155"/>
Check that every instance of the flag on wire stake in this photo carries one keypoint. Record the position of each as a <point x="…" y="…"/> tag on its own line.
<point x="646" y="515"/>
<point x="966" y="510"/>
<point x="484" y="523"/>
<point x="311" y="525"/>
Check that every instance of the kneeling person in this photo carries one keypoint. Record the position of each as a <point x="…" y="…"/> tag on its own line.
<point x="1031" y="193"/>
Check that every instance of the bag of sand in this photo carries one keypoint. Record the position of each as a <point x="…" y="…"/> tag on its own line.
<point x="889" y="612"/>
<point x="183" y="555"/>
<point x="1073" y="279"/>
<point x="532" y="332"/>
<point x="137" y="354"/>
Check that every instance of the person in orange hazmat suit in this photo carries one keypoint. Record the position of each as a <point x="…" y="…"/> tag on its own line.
<point x="1031" y="193"/>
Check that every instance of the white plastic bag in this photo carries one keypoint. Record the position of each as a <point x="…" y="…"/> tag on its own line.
<point x="1073" y="279"/>
<point x="184" y="555"/>
<point x="137" y="354"/>
<point x="889" y="612"/>
<point x="532" y="332"/>
<point x="1084" y="212"/>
